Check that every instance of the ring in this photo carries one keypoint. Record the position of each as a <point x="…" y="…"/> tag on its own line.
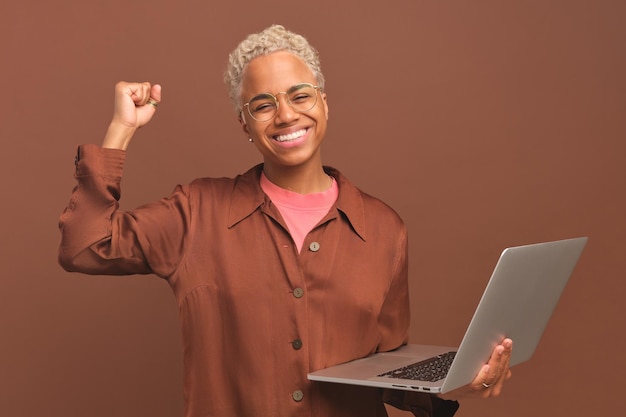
<point x="486" y="385"/>
<point x="153" y="102"/>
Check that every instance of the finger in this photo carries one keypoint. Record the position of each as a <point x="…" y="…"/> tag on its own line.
<point x="487" y="382"/>
<point x="155" y="92"/>
<point x="500" y="367"/>
<point x="145" y="93"/>
<point x="498" y="384"/>
<point x="480" y="384"/>
<point x="154" y="96"/>
<point x="490" y="385"/>
<point x="135" y="91"/>
<point x="498" y="364"/>
<point x="505" y="358"/>
<point x="502" y="356"/>
<point x="497" y="387"/>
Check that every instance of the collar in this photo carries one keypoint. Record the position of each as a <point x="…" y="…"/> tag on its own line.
<point x="247" y="197"/>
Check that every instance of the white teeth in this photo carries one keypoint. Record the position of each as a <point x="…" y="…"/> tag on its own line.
<point x="291" y="136"/>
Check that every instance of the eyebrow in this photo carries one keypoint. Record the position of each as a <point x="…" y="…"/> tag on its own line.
<point x="260" y="96"/>
<point x="291" y="90"/>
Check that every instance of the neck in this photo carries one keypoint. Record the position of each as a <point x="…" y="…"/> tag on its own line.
<point x="299" y="179"/>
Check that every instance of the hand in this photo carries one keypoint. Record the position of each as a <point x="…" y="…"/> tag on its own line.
<point x="134" y="106"/>
<point x="490" y="378"/>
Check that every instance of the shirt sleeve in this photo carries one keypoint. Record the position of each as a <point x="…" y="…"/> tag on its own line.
<point x="99" y="238"/>
<point x="395" y="316"/>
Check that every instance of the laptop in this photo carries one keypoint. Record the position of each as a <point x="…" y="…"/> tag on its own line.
<point x="520" y="297"/>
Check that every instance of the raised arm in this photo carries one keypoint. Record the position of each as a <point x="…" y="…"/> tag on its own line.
<point x="97" y="237"/>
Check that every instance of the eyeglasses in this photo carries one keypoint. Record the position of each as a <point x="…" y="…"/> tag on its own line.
<point x="301" y="97"/>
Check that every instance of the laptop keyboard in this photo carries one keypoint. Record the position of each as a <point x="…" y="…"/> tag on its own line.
<point x="431" y="370"/>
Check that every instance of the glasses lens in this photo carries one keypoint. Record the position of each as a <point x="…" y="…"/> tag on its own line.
<point x="262" y="107"/>
<point x="302" y="97"/>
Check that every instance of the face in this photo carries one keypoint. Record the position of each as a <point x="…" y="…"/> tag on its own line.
<point x="290" y="138"/>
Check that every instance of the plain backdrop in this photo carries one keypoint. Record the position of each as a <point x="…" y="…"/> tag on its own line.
<point x="485" y="124"/>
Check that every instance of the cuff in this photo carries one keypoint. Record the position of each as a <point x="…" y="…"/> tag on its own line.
<point x="93" y="160"/>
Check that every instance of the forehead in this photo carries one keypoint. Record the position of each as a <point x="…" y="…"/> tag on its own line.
<point x="273" y="73"/>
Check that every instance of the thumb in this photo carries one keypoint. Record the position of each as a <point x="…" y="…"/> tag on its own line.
<point x="147" y="107"/>
<point x="155" y="92"/>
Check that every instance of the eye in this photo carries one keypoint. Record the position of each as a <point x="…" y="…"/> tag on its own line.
<point x="300" y="97"/>
<point x="262" y="106"/>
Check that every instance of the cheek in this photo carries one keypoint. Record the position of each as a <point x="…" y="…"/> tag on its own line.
<point x="253" y="132"/>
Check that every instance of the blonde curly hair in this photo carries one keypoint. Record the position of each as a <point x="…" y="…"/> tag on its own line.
<point x="272" y="39"/>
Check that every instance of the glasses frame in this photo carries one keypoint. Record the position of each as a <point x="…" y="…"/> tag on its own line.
<point x="317" y="89"/>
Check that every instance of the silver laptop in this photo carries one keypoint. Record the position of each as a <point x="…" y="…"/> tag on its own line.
<point x="520" y="297"/>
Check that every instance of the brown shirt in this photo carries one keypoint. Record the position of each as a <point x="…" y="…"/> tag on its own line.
<point x="256" y="315"/>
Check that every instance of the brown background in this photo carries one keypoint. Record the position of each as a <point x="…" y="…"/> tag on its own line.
<point x="484" y="123"/>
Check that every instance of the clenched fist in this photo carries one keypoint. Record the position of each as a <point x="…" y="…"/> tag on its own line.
<point x="134" y="106"/>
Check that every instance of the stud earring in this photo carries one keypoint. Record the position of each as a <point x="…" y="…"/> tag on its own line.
<point x="249" y="139"/>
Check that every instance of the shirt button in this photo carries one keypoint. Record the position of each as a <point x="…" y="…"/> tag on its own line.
<point x="297" y="395"/>
<point x="297" y="344"/>
<point x="314" y="247"/>
<point x="298" y="292"/>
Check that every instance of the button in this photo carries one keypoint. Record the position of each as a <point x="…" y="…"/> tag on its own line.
<point x="314" y="247"/>
<point x="297" y="344"/>
<point x="298" y="292"/>
<point x="297" y="395"/>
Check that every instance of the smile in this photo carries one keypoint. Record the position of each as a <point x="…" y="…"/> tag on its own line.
<point x="290" y="136"/>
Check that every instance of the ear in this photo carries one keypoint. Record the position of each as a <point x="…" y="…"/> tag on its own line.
<point x="325" y="101"/>
<point x="244" y="125"/>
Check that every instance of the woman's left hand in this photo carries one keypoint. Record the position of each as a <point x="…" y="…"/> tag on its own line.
<point x="490" y="379"/>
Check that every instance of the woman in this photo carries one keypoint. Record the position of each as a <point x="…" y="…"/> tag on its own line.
<point x="278" y="272"/>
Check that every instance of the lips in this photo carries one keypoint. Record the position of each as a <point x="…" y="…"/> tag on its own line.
<point x="290" y="136"/>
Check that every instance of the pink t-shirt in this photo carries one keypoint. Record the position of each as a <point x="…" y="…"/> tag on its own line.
<point x="301" y="212"/>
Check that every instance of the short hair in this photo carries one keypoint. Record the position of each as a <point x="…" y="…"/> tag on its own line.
<point x="272" y="39"/>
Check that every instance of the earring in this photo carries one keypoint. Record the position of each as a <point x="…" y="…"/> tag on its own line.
<point x="249" y="139"/>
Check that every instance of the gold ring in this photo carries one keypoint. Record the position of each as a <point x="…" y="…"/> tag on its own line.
<point x="153" y="102"/>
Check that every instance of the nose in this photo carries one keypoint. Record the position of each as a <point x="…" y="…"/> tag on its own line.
<point x="285" y="113"/>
